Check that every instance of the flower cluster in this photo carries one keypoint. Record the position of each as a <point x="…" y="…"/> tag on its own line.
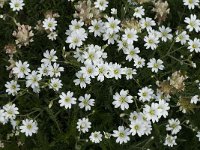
<point x="109" y="76"/>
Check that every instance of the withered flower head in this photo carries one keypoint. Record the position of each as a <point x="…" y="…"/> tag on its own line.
<point x="86" y="11"/>
<point x="132" y="24"/>
<point x="165" y="87"/>
<point x="23" y="35"/>
<point x="10" y="68"/>
<point x="2" y="2"/>
<point x="162" y="10"/>
<point x="50" y="14"/>
<point x="185" y="105"/>
<point x="10" y="49"/>
<point x="174" y="84"/>
<point x="39" y="26"/>
<point x="177" y="80"/>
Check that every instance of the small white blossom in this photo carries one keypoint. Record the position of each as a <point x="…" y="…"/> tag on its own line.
<point x="195" y="99"/>
<point x="122" y="134"/>
<point x="67" y="100"/>
<point x="170" y="140"/>
<point x="16" y="5"/>
<point x="86" y="102"/>
<point x="21" y="69"/>
<point x="155" y="65"/>
<point x="83" y="125"/>
<point x="122" y="99"/>
<point x="96" y="137"/>
<point x="191" y="3"/>
<point x="101" y="4"/>
<point x="29" y="127"/>
<point x="193" y="23"/>
<point x="12" y="87"/>
<point x="49" y="24"/>
<point x="173" y="126"/>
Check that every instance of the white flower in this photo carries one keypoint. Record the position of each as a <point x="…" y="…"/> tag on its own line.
<point x="183" y="37"/>
<point x="101" y="4"/>
<point x="139" y="62"/>
<point x="122" y="134"/>
<point x="96" y="137"/>
<point x="148" y="127"/>
<point x="83" y="125"/>
<point x="67" y="100"/>
<point x="155" y="65"/>
<point x="21" y="69"/>
<point x="151" y="41"/>
<point x="112" y="25"/>
<point x="78" y="54"/>
<point x="129" y="73"/>
<point x="163" y="106"/>
<point x="198" y="135"/>
<point x="97" y="27"/>
<point x="193" y="23"/>
<point x="55" y="70"/>
<point x="49" y="24"/>
<point x="15" y="124"/>
<point x="146" y="94"/>
<point x="55" y="84"/>
<point x="107" y="135"/>
<point x="139" y="12"/>
<point x="191" y="3"/>
<point x="76" y="25"/>
<point x="110" y="37"/>
<point x="137" y="127"/>
<point x="122" y="45"/>
<point x="154" y="33"/>
<point x="114" y="11"/>
<point x="115" y="71"/>
<point x="10" y="111"/>
<point x="161" y="96"/>
<point x="173" y="126"/>
<point x="130" y="36"/>
<point x="89" y="71"/>
<point x="152" y="112"/>
<point x="86" y="102"/>
<point x="16" y="5"/>
<point x="29" y="127"/>
<point x="122" y="99"/>
<point x="170" y="140"/>
<point x="44" y="70"/>
<point x="82" y="81"/>
<point x="147" y="23"/>
<point x="131" y="52"/>
<point x="76" y="38"/>
<point x="194" y="45"/>
<point x="36" y="89"/>
<point x="164" y="32"/>
<point x="49" y="56"/>
<point x="33" y="79"/>
<point x="2" y="116"/>
<point x="195" y="99"/>
<point x="93" y="54"/>
<point x="135" y="116"/>
<point x="12" y="87"/>
<point x="52" y="36"/>
<point x="102" y="71"/>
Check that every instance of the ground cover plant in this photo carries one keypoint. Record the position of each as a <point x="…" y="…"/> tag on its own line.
<point x="99" y="74"/>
